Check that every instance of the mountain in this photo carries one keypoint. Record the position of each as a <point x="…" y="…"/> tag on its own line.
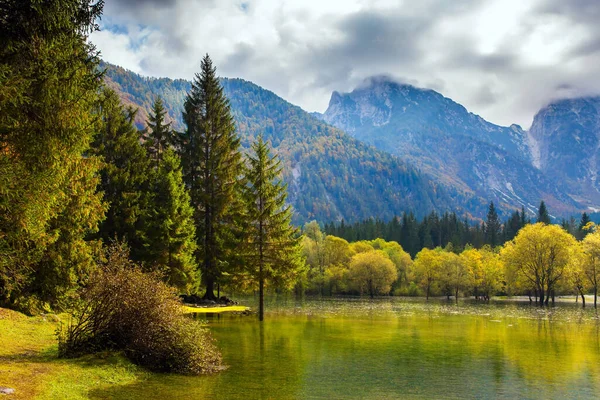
<point x="444" y="140"/>
<point x="330" y="175"/>
<point x="565" y="144"/>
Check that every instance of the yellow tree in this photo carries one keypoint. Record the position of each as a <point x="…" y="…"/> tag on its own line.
<point x="399" y="257"/>
<point x="576" y="275"/>
<point x="492" y="272"/>
<point x="591" y="261"/>
<point x="540" y="255"/>
<point x="372" y="272"/>
<point x="471" y="258"/>
<point x="427" y="266"/>
<point x="454" y="276"/>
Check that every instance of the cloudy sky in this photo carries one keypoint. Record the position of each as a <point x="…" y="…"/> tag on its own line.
<point x="502" y="59"/>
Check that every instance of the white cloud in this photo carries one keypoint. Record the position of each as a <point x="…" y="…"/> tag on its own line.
<point x="502" y="59"/>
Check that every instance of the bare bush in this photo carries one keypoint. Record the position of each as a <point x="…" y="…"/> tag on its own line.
<point x="126" y="309"/>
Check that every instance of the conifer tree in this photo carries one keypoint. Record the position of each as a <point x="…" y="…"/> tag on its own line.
<point x="582" y="232"/>
<point x="492" y="227"/>
<point x="543" y="215"/>
<point x="171" y="233"/>
<point x="158" y="136"/>
<point x="125" y="178"/>
<point x="212" y="167"/>
<point x="48" y="94"/>
<point x="272" y="243"/>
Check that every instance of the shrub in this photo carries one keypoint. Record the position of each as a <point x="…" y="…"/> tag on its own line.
<point x="126" y="309"/>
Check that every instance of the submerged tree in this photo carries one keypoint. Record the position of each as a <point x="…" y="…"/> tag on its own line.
<point x="272" y="243"/>
<point x="48" y="93"/>
<point x="212" y="167"/>
<point x="539" y="256"/>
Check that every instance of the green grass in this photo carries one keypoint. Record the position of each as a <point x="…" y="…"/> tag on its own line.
<point x="29" y="362"/>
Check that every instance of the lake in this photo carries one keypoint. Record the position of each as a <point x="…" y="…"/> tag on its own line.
<point x="398" y="349"/>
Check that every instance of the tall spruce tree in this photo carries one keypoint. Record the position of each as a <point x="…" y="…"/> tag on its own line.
<point x="272" y="242"/>
<point x="48" y="93"/>
<point x="171" y="233"/>
<point x="493" y="227"/>
<point x="212" y="167"/>
<point x="158" y="135"/>
<point x="125" y="178"/>
<point x="543" y="215"/>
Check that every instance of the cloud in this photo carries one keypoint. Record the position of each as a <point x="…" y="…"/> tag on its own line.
<point x="502" y="59"/>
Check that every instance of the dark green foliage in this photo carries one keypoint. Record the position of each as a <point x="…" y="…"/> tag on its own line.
<point x="271" y="240"/>
<point x="171" y="233"/>
<point x="581" y="231"/>
<point x="543" y="215"/>
<point x="48" y="204"/>
<point x="126" y="309"/>
<point x="125" y="178"/>
<point x="212" y="167"/>
<point x="493" y="227"/>
<point x="158" y="136"/>
<point x="432" y="231"/>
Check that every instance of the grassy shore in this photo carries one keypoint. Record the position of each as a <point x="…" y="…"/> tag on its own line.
<point x="29" y="363"/>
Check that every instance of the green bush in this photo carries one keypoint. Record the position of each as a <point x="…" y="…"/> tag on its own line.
<point x="126" y="309"/>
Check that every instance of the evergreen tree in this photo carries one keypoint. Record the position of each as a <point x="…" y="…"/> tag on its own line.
<point x="48" y="94"/>
<point x="125" y="178"/>
<point x="212" y="167"/>
<point x="582" y="232"/>
<point x="171" y="233"/>
<point x="158" y="136"/>
<point x="543" y="215"/>
<point x="271" y="240"/>
<point x="492" y="227"/>
<point x="524" y="219"/>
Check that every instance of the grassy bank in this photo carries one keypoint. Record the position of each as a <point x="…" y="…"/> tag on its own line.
<point x="29" y="363"/>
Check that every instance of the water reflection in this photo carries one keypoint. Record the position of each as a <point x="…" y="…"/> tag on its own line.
<point x="394" y="349"/>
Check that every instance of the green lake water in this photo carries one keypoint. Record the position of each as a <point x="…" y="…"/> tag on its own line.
<point x="398" y="349"/>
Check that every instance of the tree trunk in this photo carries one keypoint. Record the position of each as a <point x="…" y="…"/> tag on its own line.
<point x="530" y="299"/>
<point x="576" y="297"/>
<point x="210" y="289"/>
<point x="456" y="295"/>
<point x="553" y="297"/>
<point x="582" y="299"/>
<point x="427" y="294"/>
<point x="595" y="296"/>
<point x="261" y="289"/>
<point x="541" y="296"/>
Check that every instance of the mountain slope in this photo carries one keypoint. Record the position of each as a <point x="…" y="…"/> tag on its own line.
<point x="446" y="141"/>
<point x="565" y="143"/>
<point x="330" y="174"/>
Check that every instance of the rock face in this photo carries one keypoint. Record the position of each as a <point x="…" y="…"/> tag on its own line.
<point x="445" y="140"/>
<point x="565" y="145"/>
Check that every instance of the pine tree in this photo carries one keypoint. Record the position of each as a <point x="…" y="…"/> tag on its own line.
<point x="582" y="232"/>
<point x="543" y="215"/>
<point x="170" y="232"/>
<point x="271" y="240"/>
<point x="48" y="93"/>
<point x="212" y="167"/>
<point x="125" y="178"/>
<point x="158" y="135"/>
<point x="492" y="227"/>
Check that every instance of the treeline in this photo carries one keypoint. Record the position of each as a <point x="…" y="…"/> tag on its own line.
<point x="76" y="174"/>
<point x="541" y="261"/>
<point x="436" y="230"/>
